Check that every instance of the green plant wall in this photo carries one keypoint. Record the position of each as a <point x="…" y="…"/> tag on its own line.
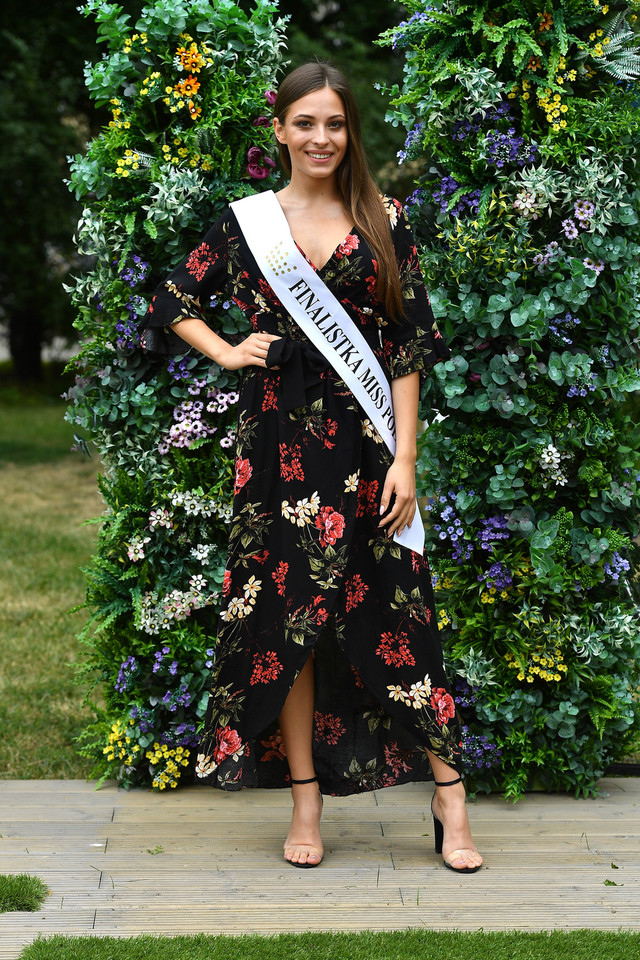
<point x="524" y="124"/>
<point x="189" y="87"/>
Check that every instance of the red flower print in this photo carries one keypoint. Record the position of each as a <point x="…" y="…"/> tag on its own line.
<point x="397" y="759"/>
<point x="226" y="583"/>
<point x="290" y="466"/>
<point x="442" y="703"/>
<point x="395" y="650"/>
<point x="319" y="614"/>
<point x="228" y="742"/>
<point x="279" y="574"/>
<point x="200" y="260"/>
<point x="367" y="493"/>
<point x="372" y="282"/>
<point x="357" y="678"/>
<point x="418" y="562"/>
<point x="270" y="401"/>
<point x="266" y="667"/>
<point x="327" y="727"/>
<point x="243" y="472"/>
<point x="275" y="748"/>
<point x="355" y="588"/>
<point x="349" y="244"/>
<point x="330" y="524"/>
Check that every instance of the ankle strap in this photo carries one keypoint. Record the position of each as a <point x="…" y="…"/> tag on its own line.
<point x="310" y="780"/>
<point x="446" y="783"/>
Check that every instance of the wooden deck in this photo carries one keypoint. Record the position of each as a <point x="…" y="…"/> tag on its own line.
<point x="199" y="860"/>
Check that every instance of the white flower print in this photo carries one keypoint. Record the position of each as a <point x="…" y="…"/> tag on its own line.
<point x="252" y="588"/>
<point x="351" y="483"/>
<point x="397" y="693"/>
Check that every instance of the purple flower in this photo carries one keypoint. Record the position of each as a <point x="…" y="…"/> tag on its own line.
<point x="261" y="122"/>
<point x="270" y="97"/>
<point x="570" y="229"/>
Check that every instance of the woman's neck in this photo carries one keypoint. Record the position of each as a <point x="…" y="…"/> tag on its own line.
<point x="309" y="192"/>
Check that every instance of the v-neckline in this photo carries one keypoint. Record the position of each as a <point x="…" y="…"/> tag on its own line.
<point x="331" y="255"/>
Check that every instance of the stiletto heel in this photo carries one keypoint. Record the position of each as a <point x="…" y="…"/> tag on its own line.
<point x="307" y="866"/>
<point x="438" y="832"/>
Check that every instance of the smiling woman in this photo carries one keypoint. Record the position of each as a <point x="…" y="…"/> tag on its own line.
<point x="328" y="664"/>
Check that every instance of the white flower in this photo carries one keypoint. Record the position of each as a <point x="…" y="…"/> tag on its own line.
<point x="550" y="458"/>
<point x="561" y="480"/>
<point x="198" y="583"/>
<point x="368" y="430"/>
<point x="135" y="549"/>
<point x="160" y="518"/>
<point x="419" y="693"/>
<point x="205" y="765"/>
<point x="201" y="551"/>
<point x="288" y="511"/>
<point x="252" y="588"/>
<point x="397" y="693"/>
<point x="190" y="504"/>
<point x="351" y="483"/>
<point x="177" y="498"/>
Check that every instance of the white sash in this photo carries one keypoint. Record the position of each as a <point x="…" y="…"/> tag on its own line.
<point x="323" y="319"/>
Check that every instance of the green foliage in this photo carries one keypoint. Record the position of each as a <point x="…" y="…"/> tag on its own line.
<point x="396" y="945"/>
<point x="527" y="213"/>
<point x="21" y="892"/>
<point x="188" y="88"/>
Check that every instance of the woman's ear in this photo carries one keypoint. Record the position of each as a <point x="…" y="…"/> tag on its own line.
<point x="279" y="131"/>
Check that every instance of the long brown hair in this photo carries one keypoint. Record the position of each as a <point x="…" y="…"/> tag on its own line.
<point x="359" y="193"/>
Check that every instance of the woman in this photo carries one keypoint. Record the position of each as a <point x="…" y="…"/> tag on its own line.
<point x="328" y="664"/>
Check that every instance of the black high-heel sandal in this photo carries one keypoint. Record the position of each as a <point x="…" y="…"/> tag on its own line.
<point x="307" y="866"/>
<point x="438" y="831"/>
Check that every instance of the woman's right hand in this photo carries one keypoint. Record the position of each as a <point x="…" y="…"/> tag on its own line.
<point x="250" y="352"/>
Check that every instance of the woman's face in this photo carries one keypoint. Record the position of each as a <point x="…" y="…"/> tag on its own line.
<point x="315" y="131"/>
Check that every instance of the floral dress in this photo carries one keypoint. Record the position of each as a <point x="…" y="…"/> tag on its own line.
<point x="308" y="569"/>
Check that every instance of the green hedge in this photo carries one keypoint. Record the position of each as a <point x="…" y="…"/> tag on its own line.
<point x="523" y="121"/>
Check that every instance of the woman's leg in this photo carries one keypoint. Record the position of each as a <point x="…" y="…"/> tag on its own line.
<point x="304" y="843"/>
<point x="458" y="847"/>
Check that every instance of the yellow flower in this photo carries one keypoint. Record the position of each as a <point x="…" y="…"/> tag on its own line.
<point x="556" y="127"/>
<point x="599" y="32"/>
<point x="606" y="40"/>
<point x="564" y="108"/>
<point x="592" y="37"/>
<point x="605" y="9"/>
<point x="525" y="96"/>
<point x="563" y="124"/>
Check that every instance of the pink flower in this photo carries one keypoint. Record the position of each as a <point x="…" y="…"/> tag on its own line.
<point x="243" y="472"/>
<point x="229" y="742"/>
<point x="261" y="122"/>
<point x="442" y="703"/>
<point x="331" y="526"/>
<point x="254" y="155"/>
<point x="270" y="97"/>
<point x="349" y="244"/>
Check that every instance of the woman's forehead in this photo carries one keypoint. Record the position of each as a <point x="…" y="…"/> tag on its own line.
<point x="323" y="102"/>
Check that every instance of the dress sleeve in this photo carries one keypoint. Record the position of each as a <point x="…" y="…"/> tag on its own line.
<point x="186" y="292"/>
<point x="413" y="342"/>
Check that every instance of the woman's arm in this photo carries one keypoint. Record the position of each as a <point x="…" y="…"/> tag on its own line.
<point x="250" y="352"/>
<point x="401" y="475"/>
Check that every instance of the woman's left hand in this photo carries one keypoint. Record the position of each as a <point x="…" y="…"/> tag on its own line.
<point x="401" y="481"/>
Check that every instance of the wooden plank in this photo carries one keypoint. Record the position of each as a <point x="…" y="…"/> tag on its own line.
<point x="221" y="868"/>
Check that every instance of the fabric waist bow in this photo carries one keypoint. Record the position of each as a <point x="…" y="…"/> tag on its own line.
<point x="301" y="365"/>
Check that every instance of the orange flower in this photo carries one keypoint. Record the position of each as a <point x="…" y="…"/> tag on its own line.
<point x="534" y="63"/>
<point x="546" y="21"/>
<point x="187" y="88"/>
<point x="190" y="59"/>
<point x="193" y="110"/>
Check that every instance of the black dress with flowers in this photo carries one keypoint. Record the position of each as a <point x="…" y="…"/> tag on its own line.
<point x="308" y="568"/>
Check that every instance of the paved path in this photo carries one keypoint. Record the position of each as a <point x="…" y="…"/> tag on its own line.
<point x="200" y="860"/>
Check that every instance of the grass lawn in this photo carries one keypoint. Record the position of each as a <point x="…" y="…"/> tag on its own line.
<point x="405" y="945"/>
<point x="46" y="494"/>
<point x="21" y="892"/>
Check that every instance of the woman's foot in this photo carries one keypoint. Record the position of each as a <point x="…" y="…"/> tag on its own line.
<point x="303" y="846"/>
<point x="458" y="849"/>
